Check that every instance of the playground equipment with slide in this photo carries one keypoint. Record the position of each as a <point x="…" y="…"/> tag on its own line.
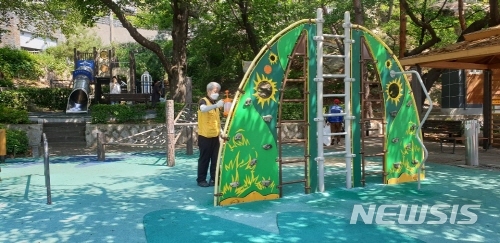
<point x="97" y="68"/>
<point x="251" y="161"/>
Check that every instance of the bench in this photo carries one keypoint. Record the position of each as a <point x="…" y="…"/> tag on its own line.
<point x="144" y="98"/>
<point x="455" y="139"/>
<point x="452" y="128"/>
<point x="448" y="127"/>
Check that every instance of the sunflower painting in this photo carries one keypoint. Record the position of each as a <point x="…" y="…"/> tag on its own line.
<point x="247" y="169"/>
<point x="404" y="152"/>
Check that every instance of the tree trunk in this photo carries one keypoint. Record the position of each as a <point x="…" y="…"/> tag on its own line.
<point x="402" y="30"/>
<point x="248" y="26"/>
<point x="461" y="17"/>
<point x="494" y="13"/>
<point x="176" y="69"/>
<point x="179" y="36"/>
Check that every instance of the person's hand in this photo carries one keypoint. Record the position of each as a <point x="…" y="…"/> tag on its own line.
<point x="220" y="104"/>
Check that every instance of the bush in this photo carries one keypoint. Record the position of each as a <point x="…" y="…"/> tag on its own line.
<point x="13" y="116"/>
<point x="50" y="98"/>
<point x="17" y="142"/>
<point x="103" y="114"/>
<point x="6" y="83"/>
<point x="18" y="63"/>
<point x="14" y="99"/>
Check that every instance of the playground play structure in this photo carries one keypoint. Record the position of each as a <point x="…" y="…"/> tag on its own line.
<point x="251" y="159"/>
<point x="96" y="68"/>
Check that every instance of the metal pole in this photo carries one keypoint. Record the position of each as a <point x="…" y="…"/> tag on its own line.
<point x="46" y="168"/>
<point x="319" y="94"/>
<point x="347" y="100"/>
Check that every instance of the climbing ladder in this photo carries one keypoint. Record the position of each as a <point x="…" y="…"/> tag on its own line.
<point x="298" y="56"/>
<point x="365" y="121"/>
<point x="320" y="116"/>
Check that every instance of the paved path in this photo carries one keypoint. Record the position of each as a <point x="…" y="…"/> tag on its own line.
<point x="134" y="197"/>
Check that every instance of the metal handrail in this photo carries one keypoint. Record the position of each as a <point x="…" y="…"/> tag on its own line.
<point x="46" y="168"/>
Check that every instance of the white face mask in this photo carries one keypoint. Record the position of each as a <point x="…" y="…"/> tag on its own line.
<point x="214" y="96"/>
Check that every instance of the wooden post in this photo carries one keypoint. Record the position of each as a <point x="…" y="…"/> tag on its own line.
<point x="3" y="145"/>
<point x="101" y="153"/>
<point x="132" y="70"/>
<point x="169" y="110"/>
<point x="189" y="91"/>
<point x="189" y="103"/>
<point x="189" y="143"/>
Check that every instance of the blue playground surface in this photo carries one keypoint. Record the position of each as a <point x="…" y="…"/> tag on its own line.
<point x="135" y="197"/>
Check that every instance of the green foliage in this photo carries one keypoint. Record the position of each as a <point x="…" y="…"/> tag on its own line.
<point x="13" y="116"/>
<point x="104" y="114"/>
<point x="51" y="98"/>
<point x="144" y="58"/>
<point x="99" y="114"/>
<point x="292" y="111"/>
<point x="20" y="99"/>
<point x="14" y="99"/>
<point x="83" y="41"/>
<point x="160" y="111"/>
<point x="6" y="83"/>
<point x="17" y="142"/>
<point x="18" y="64"/>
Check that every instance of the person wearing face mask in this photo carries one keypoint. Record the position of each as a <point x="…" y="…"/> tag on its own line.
<point x="208" y="134"/>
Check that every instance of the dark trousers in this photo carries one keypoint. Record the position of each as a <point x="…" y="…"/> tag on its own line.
<point x="336" y="127"/>
<point x="209" y="150"/>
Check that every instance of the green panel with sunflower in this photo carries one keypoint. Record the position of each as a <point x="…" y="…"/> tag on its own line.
<point x="247" y="166"/>
<point x="404" y="152"/>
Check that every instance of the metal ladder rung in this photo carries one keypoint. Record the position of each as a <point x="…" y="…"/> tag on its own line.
<point x="299" y="54"/>
<point x="337" y="172"/>
<point x="372" y="100"/>
<point x="334" y="153"/>
<point x="293" y="161"/>
<point x="334" y="114"/>
<point x="295" y="80"/>
<point x="293" y="100"/>
<point x="292" y="182"/>
<point x="333" y="36"/>
<point x="294" y="141"/>
<point x="371" y="119"/>
<point x="333" y="95"/>
<point x="334" y="75"/>
<point x="375" y="155"/>
<point x="374" y="172"/>
<point x="293" y="121"/>
<point x="334" y="56"/>
<point x="335" y="134"/>
<point x="372" y="82"/>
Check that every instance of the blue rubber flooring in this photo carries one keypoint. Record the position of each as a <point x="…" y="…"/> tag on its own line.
<point x="135" y="197"/>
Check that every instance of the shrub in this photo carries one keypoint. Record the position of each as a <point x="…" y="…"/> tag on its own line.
<point x="17" y="142"/>
<point x="14" y="99"/>
<point x="13" y="116"/>
<point x="18" y="63"/>
<point x="50" y="98"/>
<point x="102" y="113"/>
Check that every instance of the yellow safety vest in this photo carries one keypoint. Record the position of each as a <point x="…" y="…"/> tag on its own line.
<point x="209" y="122"/>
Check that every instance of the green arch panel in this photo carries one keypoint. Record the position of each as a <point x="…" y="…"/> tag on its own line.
<point x="247" y="168"/>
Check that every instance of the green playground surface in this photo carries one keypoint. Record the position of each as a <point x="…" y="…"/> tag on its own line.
<point x="135" y="197"/>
